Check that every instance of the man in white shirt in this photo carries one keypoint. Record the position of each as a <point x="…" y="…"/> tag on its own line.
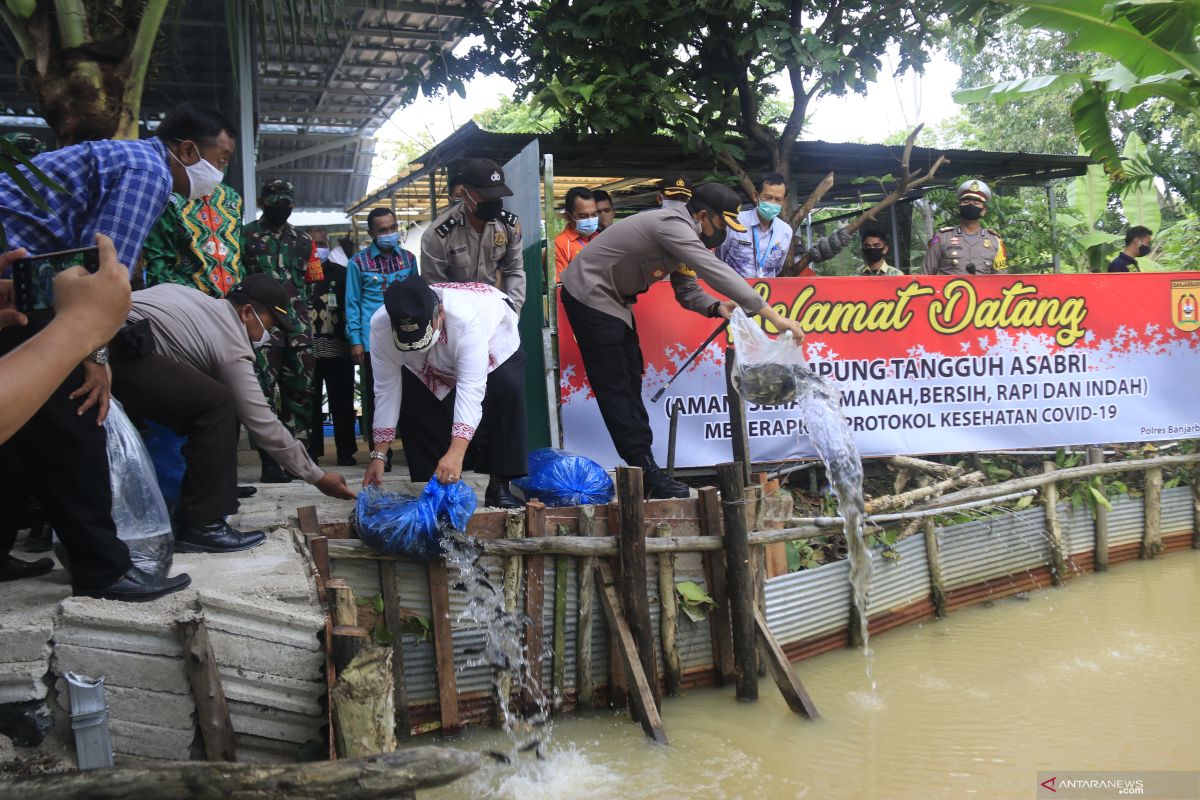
<point x="448" y="365"/>
<point x="759" y="251"/>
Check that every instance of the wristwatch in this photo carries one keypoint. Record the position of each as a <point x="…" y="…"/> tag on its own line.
<point x="100" y="356"/>
<point x="378" y="456"/>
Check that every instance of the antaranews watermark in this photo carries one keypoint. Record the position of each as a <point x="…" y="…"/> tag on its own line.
<point x="1112" y="785"/>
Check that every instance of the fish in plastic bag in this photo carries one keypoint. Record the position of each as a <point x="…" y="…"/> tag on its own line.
<point x="559" y="478"/>
<point x="402" y="525"/>
<point x="138" y="508"/>
<point x="768" y="372"/>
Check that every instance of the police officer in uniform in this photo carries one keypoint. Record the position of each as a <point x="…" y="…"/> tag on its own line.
<point x="603" y="281"/>
<point x="285" y="366"/>
<point x="476" y="240"/>
<point x="967" y="248"/>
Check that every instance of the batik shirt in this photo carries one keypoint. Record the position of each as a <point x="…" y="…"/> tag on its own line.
<point x="198" y="243"/>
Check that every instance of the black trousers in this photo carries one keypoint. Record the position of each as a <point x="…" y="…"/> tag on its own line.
<point x="337" y="377"/>
<point x="499" y="446"/>
<point x="62" y="458"/>
<point x="192" y="404"/>
<point x="612" y="357"/>
<point x="367" y="390"/>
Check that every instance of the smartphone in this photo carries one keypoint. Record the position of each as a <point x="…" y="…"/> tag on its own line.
<point x="33" y="278"/>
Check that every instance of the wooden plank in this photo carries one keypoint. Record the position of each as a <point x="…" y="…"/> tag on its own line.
<point x="319" y="547"/>
<point x="643" y="696"/>
<point x="535" y="590"/>
<point x="1152" y="543"/>
<point x="585" y="680"/>
<point x="937" y="585"/>
<point x="558" y="674"/>
<point x="634" y="590"/>
<point x="212" y="709"/>
<point x="307" y="516"/>
<point x="739" y="580"/>
<point x="336" y="530"/>
<point x="514" y="529"/>
<point x="714" y="567"/>
<point x="758" y="562"/>
<point x="1058" y="565"/>
<point x="1100" y="551"/>
<point x="740" y="440"/>
<point x="618" y="682"/>
<point x="785" y="677"/>
<point x="668" y="617"/>
<point x="393" y="618"/>
<point x="443" y="649"/>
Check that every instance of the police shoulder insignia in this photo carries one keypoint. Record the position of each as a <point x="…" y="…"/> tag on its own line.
<point x="947" y="228"/>
<point x="446" y="227"/>
<point x="684" y="269"/>
<point x="994" y="232"/>
<point x="508" y="218"/>
<point x="933" y="241"/>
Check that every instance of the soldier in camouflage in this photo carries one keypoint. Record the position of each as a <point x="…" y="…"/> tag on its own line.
<point x="285" y="365"/>
<point x="967" y="248"/>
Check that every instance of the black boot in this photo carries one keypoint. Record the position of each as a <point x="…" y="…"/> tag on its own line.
<point x="137" y="586"/>
<point x="272" y="472"/>
<point x="215" y="537"/>
<point x="12" y="569"/>
<point x="499" y="495"/>
<point x="246" y="491"/>
<point x="656" y="485"/>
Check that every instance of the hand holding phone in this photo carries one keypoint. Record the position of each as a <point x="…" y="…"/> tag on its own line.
<point x="33" y="278"/>
<point x="98" y="304"/>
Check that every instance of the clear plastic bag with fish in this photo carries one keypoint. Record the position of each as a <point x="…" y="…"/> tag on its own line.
<point x="138" y="509"/>
<point x="402" y="525"/>
<point x="559" y="478"/>
<point x="768" y="372"/>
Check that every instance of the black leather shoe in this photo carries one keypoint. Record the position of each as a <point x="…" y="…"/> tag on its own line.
<point x="216" y="537"/>
<point x="13" y="569"/>
<point x="273" y="473"/>
<point x="137" y="586"/>
<point x="246" y="491"/>
<point x="499" y="495"/>
<point x="347" y="461"/>
<point x="656" y="485"/>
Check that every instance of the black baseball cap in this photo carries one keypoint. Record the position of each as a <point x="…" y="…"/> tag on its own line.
<point x="410" y="305"/>
<point x="676" y="186"/>
<point x="722" y="200"/>
<point x="486" y="177"/>
<point x="269" y="293"/>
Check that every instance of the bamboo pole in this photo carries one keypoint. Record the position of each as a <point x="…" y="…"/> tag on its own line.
<point x="634" y="593"/>
<point x="928" y="467"/>
<point x="739" y="579"/>
<point x="1152" y="543"/>
<point x="558" y="673"/>
<point x="1100" y="550"/>
<point x="669" y="614"/>
<point x="514" y="528"/>
<point x="908" y="498"/>
<point x="1058" y="567"/>
<point x="937" y="585"/>
<point x="585" y="682"/>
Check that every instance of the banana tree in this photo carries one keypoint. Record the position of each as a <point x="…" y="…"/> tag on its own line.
<point x="1153" y="47"/>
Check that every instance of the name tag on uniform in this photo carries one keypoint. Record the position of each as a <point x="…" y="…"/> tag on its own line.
<point x="457" y="250"/>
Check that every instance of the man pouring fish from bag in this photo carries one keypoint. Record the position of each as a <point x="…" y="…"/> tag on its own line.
<point x="604" y="280"/>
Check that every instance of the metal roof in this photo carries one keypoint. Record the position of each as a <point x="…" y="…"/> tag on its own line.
<point x="593" y="161"/>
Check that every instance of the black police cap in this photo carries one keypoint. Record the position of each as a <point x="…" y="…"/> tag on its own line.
<point x="269" y="293"/>
<point x="486" y="177"/>
<point x="410" y="305"/>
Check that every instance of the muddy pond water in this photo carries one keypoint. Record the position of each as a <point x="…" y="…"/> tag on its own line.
<point x="1100" y="674"/>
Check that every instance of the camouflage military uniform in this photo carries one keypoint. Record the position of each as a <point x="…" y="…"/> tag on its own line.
<point x="285" y="366"/>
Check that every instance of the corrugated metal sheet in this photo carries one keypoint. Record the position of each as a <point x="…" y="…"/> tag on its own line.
<point x="999" y="545"/>
<point x="808" y="603"/>
<point x="1126" y="521"/>
<point x="1079" y="529"/>
<point x="897" y="583"/>
<point x="1177" y="510"/>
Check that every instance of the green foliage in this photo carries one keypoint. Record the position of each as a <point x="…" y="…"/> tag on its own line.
<point x="513" y="117"/>
<point x="804" y="555"/>
<point x="695" y="602"/>
<point x="11" y="158"/>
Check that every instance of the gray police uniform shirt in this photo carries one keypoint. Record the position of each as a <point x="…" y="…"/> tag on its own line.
<point x="636" y="252"/>
<point x="951" y="251"/>
<point x="451" y="252"/>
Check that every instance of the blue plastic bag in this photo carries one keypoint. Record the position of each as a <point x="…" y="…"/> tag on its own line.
<point x="559" y="478"/>
<point x="165" y="446"/>
<point x="403" y="525"/>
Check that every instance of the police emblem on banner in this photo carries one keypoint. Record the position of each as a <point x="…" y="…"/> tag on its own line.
<point x="1185" y="305"/>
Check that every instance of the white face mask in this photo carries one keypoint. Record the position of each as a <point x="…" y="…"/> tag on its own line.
<point x="266" y="334"/>
<point x="203" y="177"/>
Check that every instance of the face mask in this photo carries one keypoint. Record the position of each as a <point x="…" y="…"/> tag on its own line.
<point x="276" y="215"/>
<point x="587" y="226"/>
<point x="872" y="255"/>
<point x="711" y="240"/>
<point x="769" y="211"/>
<point x="322" y="253"/>
<point x="488" y="210"/>
<point x="1144" y="250"/>
<point x="203" y="177"/>
<point x="388" y="241"/>
<point x="266" y="334"/>
<point x="970" y="212"/>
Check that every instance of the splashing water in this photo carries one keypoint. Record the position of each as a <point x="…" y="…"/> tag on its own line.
<point x="502" y="649"/>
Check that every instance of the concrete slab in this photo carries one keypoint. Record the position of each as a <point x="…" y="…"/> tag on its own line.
<point x="268" y="658"/>
<point x="273" y="691"/>
<point x="151" y="741"/>
<point x="146" y="628"/>
<point x="25" y="643"/>
<point x="263" y="619"/>
<point x="271" y="723"/>
<point x="132" y="670"/>
<point x="23" y="681"/>
<point x="163" y="709"/>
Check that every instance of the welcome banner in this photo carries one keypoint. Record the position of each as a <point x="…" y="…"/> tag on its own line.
<point x="930" y="365"/>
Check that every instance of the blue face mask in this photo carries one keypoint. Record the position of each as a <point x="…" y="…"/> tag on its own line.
<point x="587" y="226"/>
<point x="388" y="241"/>
<point x="769" y="211"/>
